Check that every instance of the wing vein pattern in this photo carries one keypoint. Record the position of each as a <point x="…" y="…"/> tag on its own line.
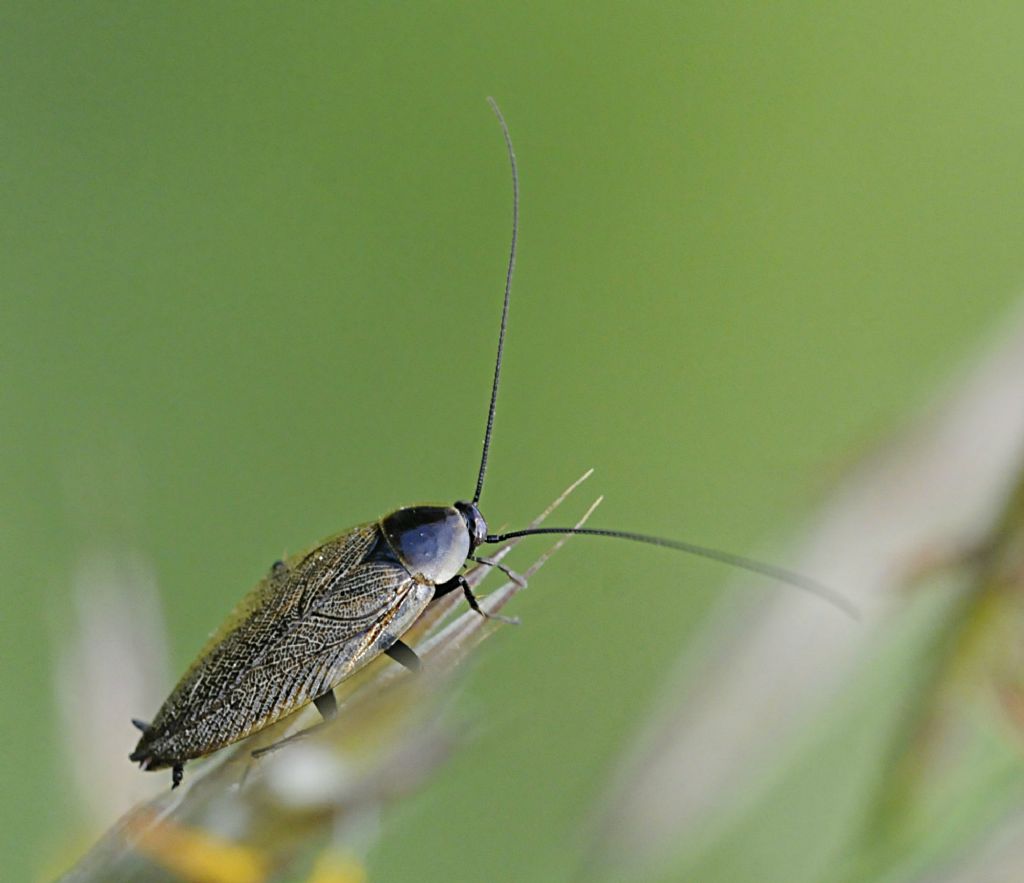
<point x="307" y="625"/>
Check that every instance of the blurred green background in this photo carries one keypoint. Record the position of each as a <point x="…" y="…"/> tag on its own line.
<point x="251" y="278"/>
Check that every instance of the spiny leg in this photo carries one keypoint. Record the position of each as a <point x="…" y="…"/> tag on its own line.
<point x="326" y="704"/>
<point x="459" y="582"/>
<point x="517" y="578"/>
<point x="404" y="655"/>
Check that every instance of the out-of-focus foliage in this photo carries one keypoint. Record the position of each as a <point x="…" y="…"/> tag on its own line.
<point x="250" y="274"/>
<point x="797" y="747"/>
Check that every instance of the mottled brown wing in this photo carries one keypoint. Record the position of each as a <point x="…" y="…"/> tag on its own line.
<point x="305" y="627"/>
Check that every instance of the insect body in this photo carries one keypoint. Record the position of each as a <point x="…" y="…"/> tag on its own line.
<point x="317" y="618"/>
<point x="312" y="622"/>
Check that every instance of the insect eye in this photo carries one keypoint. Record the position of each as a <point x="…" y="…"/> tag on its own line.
<point x="475" y="523"/>
<point x="431" y="541"/>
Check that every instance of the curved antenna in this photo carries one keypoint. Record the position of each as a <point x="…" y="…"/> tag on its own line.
<point x="508" y="294"/>
<point x="749" y="564"/>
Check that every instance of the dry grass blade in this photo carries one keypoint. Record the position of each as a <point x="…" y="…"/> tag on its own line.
<point x="239" y="820"/>
<point x="938" y="500"/>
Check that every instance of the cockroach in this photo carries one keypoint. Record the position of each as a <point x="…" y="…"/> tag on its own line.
<point x="317" y="618"/>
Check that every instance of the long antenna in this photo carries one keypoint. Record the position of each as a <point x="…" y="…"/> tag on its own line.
<point x="749" y="564"/>
<point x="508" y="295"/>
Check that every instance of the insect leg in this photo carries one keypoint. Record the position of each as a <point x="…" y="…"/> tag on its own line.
<point x="327" y="705"/>
<point x="459" y="582"/>
<point x="294" y="737"/>
<point x="404" y="655"/>
<point x="517" y="578"/>
<point x="177" y="773"/>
